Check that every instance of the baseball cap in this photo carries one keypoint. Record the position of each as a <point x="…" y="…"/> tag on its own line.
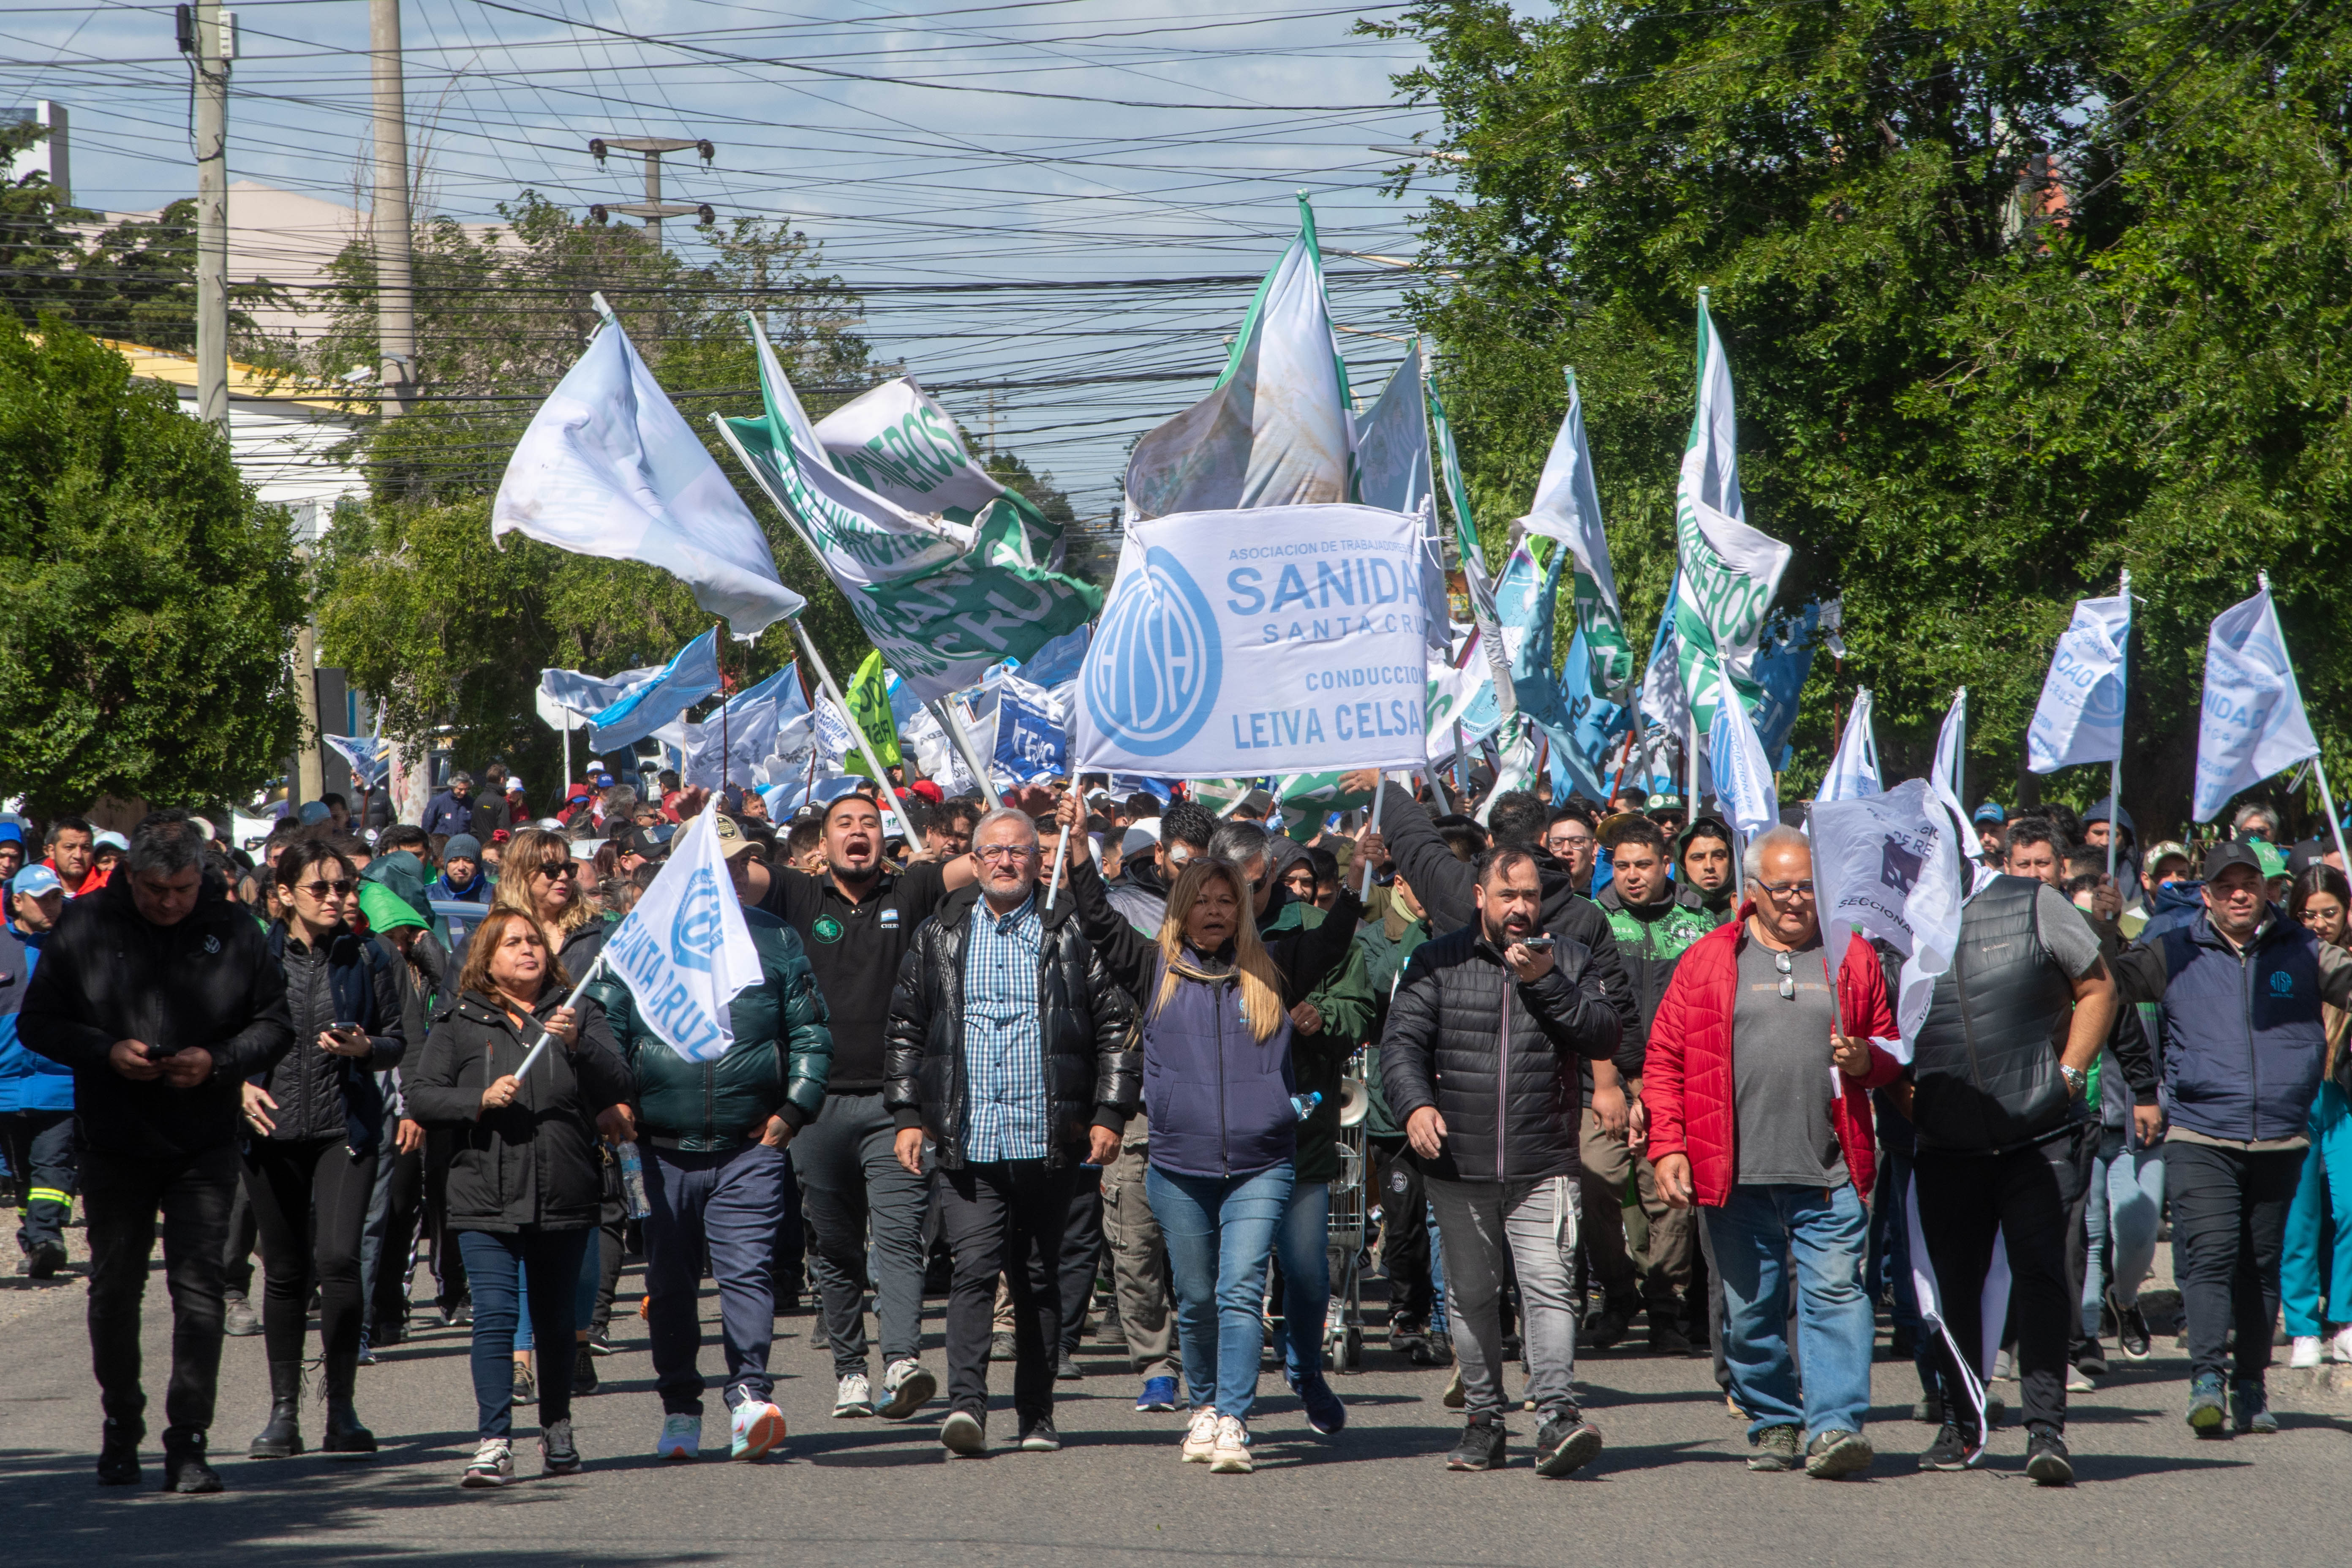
<point x="578" y="791"/>
<point x="2232" y="852"/>
<point x="2170" y="848"/>
<point x="10" y="833"/>
<point x="1139" y="838"/>
<point x="514" y="784"/>
<point x="34" y="880"/>
<point x="732" y="841"/>
<point x="1991" y="811"/>
<point x="314" y="812"/>
<point x="927" y="790"/>
<point x="602" y="781"/>
<point x="107" y="838"/>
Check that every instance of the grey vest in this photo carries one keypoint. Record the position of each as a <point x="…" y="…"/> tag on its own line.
<point x="1986" y="1071"/>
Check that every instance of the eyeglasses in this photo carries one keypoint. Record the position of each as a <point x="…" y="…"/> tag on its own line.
<point x="320" y="889"/>
<point x="1010" y="854"/>
<point x="553" y="868"/>
<point x="1803" y="889"/>
<point x="1782" y="961"/>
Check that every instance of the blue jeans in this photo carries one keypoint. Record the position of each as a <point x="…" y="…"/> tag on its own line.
<point x="497" y="1265"/>
<point x="734" y="1201"/>
<point x="1302" y="1246"/>
<point x="2325" y="1189"/>
<point x="2119" y="1224"/>
<point x="1220" y="1231"/>
<point x="1759" y="1232"/>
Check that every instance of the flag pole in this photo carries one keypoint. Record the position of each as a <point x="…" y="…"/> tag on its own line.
<point x="943" y="708"/>
<point x="531" y="1056"/>
<point x="724" y="703"/>
<point x="2318" y="763"/>
<point x="1379" y="793"/>
<point x="2116" y="765"/>
<point x="864" y="741"/>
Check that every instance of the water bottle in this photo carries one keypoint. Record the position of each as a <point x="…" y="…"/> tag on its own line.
<point x="1305" y="1104"/>
<point x="632" y="1182"/>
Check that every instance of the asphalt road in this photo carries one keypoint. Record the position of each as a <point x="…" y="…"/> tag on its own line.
<point x="1672" y="1486"/>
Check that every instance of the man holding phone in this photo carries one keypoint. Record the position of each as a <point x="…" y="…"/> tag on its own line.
<point x="1478" y="1062"/>
<point x="162" y="997"/>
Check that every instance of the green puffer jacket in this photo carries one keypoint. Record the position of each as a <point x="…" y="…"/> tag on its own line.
<point x="777" y="1065"/>
<point x="1318" y="1061"/>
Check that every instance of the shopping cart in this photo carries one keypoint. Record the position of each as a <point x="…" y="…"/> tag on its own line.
<point x="1350" y="1226"/>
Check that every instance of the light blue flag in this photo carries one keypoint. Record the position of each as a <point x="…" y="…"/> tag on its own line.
<point x="370" y="757"/>
<point x="691" y="675"/>
<point x="577" y="692"/>
<point x="1595" y="727"/>
<point x="2252" y="723"/>
<point x="746" y="729"/>
<point x="1779" y="672"/>
<point x="1032" y="744"/>
<point x="1743" y="778"/>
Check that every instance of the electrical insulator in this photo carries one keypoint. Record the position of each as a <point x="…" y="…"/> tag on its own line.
<point x="596" y="150"/>
<point x="704" y="215"/>
<point x="597" y="215"/>
<point x="706" y="149"/>
<point x="183" y="27"/>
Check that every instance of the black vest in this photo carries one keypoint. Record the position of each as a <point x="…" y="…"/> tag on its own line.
<point x="1985" y="1068"/>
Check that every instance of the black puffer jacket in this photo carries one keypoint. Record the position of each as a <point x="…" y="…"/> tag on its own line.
<point x="1461" y="1026"/>
<point x="319" y="1094"/>
<point x="534" y="1161"/>
<point x="1094" y="1063"/>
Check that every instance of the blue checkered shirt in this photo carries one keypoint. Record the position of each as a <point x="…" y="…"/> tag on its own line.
<point x="1004" y="1042"/>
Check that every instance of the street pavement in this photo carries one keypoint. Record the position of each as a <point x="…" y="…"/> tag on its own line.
<point x="1671" y="1488"/>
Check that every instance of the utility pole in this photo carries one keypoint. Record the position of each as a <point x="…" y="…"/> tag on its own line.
<point x="653" y="209"/>
<point x="395" y="313"/>
<point x="209" y="39"/>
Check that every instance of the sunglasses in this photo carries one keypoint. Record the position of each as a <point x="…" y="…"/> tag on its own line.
<point x="553" y="868"/>
<point x="320" y="889"/>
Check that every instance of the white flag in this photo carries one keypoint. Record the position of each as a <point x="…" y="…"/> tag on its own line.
<point x="749" y="729"/>
<point x="684" y="949"/>
<point x="2079" y="718"/>
<point x="1743" y="778"/>
<point x="609" y="468"/>
<point x="1568" y="509"/>
<point x="1948" y="772"/>
<point x="2253" y="725"/>
<point x="1276" y="430"/>
<point x="1854" y="772"/>
<point x="903" y="446"/>
<point x="1393" y="472"/>
<point x="1729" y="571"/>
<point x="1886" y="865"/>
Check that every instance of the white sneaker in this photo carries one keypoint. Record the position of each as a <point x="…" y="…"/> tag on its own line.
<point x="681" y="1438"/>
<point x="1232" y="1456"/>
<point x="492" y="1465"/>
<point x="2078" y="1381"/>
<point x="910" y="1388"/>
<point x="1201" y="1437"/>
<point x="757" y="1427"/>
<point x="855" y="1398"/>
<point x="2339" y="1349"/>
<point x="2306" y="1350"/>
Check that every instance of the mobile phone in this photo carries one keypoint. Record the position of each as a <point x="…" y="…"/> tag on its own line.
<point x="1536" y="944"/>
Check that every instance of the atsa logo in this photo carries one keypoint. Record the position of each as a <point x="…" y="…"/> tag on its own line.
<point x="1152" y="676"/>
<point x="826" y="929"/>
<point x="697" y="931"/>
<point x="2281" y="983"/>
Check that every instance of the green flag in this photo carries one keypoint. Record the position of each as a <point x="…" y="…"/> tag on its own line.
<point x="870" y="706"/>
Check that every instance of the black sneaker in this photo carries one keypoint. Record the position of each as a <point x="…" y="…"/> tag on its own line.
<point x="1949" y="1451"/>
<point x="1038" y="1437"/>
<point x="1065" y="1369"/>
<point x="584" y="1371"/>
<point x="1604" y="1328"/>
<point x="1566" y="1444"/>
<point x="1666" y="1338"/>
<point x="525" y="1391"/>
<point x="184" y="1470"/>
<point x="2091" y="1358"/>
<point x="2046" y="1464"/>
<point x="1481" y="1448"/>
<point x="1000" y="1346"/>
<point x="117" y="1455"/>
<point x="558" y="1455"/>
<point x="2131" y="1330"/>
<point x="1776" y="1449"/>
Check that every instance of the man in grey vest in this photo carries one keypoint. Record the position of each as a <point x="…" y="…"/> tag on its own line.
<point x="1998" y="1075"/>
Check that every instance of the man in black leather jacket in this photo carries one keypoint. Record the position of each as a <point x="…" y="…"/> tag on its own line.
<point x="1012" y="1050"/>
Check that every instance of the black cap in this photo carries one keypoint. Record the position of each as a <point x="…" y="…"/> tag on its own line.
<point x="2231" y="852"/>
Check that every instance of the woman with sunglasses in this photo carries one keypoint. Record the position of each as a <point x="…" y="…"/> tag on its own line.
<point x="539" y="877"/>
<point x="2322" y="900"/>
<point x="526" y="1187"/>
<point x="313" y="1124"/>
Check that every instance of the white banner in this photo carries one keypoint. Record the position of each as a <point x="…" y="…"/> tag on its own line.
<point x="1888" y="866"/>
<point x="684" y="949"/>
<point x="608" y="468"/>
<point x="898" y="443"/>
<point x="1729" y="571"/>
<point x="1743" y="778"/>
<point x="1948" y="772"/>
<point x="1568" y="508"/>
<point x="2079" y="718"/>
<point x="2253" y="725"/>
<point x="1854" y="772"/>
<point x="1278" y="640"/>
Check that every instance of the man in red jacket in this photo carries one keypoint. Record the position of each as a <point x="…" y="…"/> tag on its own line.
<point x="1758" y="1085"/>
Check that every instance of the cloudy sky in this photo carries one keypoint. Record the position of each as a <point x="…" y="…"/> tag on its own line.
<point x="1101" y="143"/>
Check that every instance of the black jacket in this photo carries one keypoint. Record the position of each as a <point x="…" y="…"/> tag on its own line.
<point x="106" y="975"/>
<point x="318" y="1093"/>
<point x="1094" y="1065"/>
<point x="535" y="1162"/>
<point x="1494" y="1055"/>
<point x="1446" y="888"/>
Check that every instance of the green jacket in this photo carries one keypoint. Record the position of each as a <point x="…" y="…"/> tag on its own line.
<point x="1318" y="1061"/>
<point x="777" y="1065"/>
<point x="1384" y="946"/>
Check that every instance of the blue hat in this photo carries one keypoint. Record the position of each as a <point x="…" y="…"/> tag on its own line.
<point x="11" y="833"/>
<point x="314" y="812"/>
<point x="1991" y="811"/>
<point x="34" y="880"/>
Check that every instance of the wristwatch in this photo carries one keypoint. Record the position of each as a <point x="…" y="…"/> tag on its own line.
<point x="2077" y="1081"/>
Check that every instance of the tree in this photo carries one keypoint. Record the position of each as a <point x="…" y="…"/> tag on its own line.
<point x="2015" y="296"/>
<point x="417" y="603"/>
<point x="152" y="599"/>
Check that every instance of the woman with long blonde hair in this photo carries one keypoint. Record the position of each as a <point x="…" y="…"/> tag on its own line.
<point x="538" y="875"/>
<point x="1217" y="1087"/>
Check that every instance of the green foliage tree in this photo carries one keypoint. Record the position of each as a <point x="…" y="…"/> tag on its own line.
<point x="2015" y="296"/>
<point x="152" y="599"/>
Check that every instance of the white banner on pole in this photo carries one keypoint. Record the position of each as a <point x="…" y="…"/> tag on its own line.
<point x="685" y="949"/>
<point x="1743" y="778"/>
<point x="2079" y="718"/>
<point x="1279" y="639"/>
<point x="2253" y="725"/>
<point x="1854" y="772"/>
<point x="1884" y="865"/>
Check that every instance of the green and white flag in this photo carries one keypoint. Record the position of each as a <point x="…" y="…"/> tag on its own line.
<point x="1729" y="571"/>
<point x="1568" y="509"/>
<point x="942" y="603"/>
<point x="1276" y="430"/>
<point x="1474" y="554"/>
<point x="899" y="443"/>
